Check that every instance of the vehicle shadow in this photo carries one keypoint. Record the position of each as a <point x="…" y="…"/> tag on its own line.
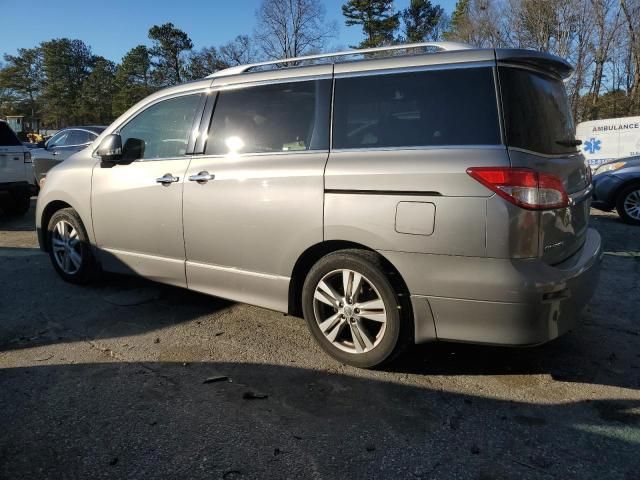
<point x="163" y="420"/>
<point x="23" y="223"/>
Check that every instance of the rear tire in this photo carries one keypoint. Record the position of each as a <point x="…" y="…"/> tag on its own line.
<point x="628" y="204"/>
<point x="364" y="327"/>
<point x="69" y="248"/>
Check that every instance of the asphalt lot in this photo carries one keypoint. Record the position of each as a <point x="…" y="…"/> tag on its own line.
<point x="107" y="382"/>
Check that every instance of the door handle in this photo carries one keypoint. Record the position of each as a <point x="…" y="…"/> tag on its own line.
<point x="167" y="179"/>
<point x="202" y="177"/>
<point x="55" y="152"/>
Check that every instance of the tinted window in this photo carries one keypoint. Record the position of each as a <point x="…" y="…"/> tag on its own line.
<point x="162" y="130"/>
<point x="79" y="137"/>
<point x="440" y="107"/>
<point x="7" y="137"/>
<point x="536" y="111"/>
<point x="271" y="118"/>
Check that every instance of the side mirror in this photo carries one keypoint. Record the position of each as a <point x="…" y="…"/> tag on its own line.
<point x="110" y="149"/>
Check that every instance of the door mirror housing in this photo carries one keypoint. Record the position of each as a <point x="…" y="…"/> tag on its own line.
<point x="110" y="149"/>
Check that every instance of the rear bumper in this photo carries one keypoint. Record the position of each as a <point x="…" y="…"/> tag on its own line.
<point x="498" y="301"/>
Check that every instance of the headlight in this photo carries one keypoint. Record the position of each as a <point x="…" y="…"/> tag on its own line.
<point x="609" y="167"/>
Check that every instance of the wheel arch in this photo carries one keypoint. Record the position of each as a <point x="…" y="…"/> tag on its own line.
<point x="630" y="182"/>
<point x="49" y="210"/>
<point x="314" y="253"/>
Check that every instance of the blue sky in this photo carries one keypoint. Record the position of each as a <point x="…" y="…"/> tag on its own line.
<point x="112" y="28"/>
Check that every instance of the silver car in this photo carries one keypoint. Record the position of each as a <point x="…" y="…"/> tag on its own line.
<point x="390" y="199"/>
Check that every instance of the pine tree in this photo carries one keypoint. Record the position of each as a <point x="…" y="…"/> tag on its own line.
<point x="420" y="20"/>
<point x="378" y="20"/>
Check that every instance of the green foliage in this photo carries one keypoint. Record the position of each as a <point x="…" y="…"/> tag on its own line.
<point x="420" y="20"/>
<point x="168" y="45"/>
<point x="203" y="63"/>
<point x="378" y="19"/>
<point x="67" y="64"/>
<point x="96" y="94"/>
<point x="459" y="19"/>
<point x="132" y="79"/>
<point x="22" y="78"/>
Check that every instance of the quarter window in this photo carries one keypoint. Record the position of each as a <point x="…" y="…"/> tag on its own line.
<point x="160" y="131"/>
<point x="430" y="108"/>
<point x="281" y="117"/>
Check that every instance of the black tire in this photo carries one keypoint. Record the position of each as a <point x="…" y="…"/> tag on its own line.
<point x="19" y="203"/>
<point x="620" y="201"/>
<point x="399" y="324"/>
<point x="88" y="269"/>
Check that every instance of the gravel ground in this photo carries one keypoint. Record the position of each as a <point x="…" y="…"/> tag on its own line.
<point x="129" y="379"/>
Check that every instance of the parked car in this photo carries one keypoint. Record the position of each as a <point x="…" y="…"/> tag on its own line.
<point x="16" y="173"/>
<point x="389" y="200"/>
<point x="617" y="186"/>
<point x="62" y="145"/>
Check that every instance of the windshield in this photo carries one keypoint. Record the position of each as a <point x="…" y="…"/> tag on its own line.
<point x="536" y="112"/>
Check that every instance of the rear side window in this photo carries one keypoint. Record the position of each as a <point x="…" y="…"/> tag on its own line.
<point x="80" y="137"/>
<point x="536" y="112"/>
<point x="280" y="117"/>
<point x="7" y="137"/>
<point x="414" y="109"/>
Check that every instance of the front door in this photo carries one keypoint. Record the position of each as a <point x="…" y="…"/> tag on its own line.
<point x="137" y="208"/>
<point x="253" y="202"/>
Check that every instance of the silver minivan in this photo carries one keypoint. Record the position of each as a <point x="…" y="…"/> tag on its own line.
<point x="390" y="199"/>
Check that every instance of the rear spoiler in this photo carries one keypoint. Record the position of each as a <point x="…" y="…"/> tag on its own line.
<point x="541" y="60"/>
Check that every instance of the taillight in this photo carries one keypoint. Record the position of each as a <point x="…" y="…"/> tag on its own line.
<point x="27" y="157"/>
<point x="523" y="187"/>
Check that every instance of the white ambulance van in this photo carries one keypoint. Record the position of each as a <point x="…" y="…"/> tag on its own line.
<point x="604" y="140"/>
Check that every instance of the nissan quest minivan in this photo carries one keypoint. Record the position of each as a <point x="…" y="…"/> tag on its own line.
<point x="390" y="199"/>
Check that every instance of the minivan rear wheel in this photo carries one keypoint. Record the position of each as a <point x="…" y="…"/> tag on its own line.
<point x="353" y="310"/>
<point x="69" y="247"/>
<point x="628" y="204"/>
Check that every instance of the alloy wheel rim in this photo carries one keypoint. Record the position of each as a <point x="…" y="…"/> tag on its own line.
<point x="632" y="204"/>
<point x="66" y="247"/>
<point x="350" y="311"/>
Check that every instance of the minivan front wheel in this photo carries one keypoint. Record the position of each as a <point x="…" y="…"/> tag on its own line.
<point x="69" y="248"/>
<point x="352" y="309"/>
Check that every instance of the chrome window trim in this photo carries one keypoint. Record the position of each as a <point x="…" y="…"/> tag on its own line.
<point x="258" y="83"/>
<point x="416" y="68"/>
<point x="546" y="155"/>
<point x="263" y="154"/>
<point x="421" y="147"/>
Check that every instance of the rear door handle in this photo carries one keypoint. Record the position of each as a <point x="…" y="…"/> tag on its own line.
<point x="55" y="152"/>
<point x="167" y="179"/>
<point x="202" y="177"/>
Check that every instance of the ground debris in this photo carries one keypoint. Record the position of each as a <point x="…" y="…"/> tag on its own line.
<point x="217" y="378"/>
<point x="254" y="396"/>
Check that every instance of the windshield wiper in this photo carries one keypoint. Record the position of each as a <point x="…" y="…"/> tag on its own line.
<point x="569" y="143"/>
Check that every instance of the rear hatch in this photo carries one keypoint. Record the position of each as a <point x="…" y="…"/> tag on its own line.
<point x="12" y="158"/>
<point x="540" y="135"/>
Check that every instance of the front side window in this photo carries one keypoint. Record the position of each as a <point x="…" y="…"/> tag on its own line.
<point x="413" y="109"/>
<point x="279" y="117"/>
<point x="537" y="115"/>
<point x="160" y="131"/>
<point x="60" y="139"/>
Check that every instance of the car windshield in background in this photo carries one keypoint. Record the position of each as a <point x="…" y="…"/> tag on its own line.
<point x="536" y="112"/>
<point x="7" y="137"/>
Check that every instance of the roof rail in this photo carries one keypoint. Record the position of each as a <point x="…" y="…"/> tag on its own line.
<point x="445" y="46"/>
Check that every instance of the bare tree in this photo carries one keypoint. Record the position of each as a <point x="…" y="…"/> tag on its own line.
<point x="239" y="51"/>
<point x="291" y="28"/>
<point x="631" y="11"/>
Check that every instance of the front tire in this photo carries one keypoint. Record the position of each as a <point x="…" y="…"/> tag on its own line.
<point x="69" y="248"/>
<point x="628" y="204"/>
<point x="353" y="310"/>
